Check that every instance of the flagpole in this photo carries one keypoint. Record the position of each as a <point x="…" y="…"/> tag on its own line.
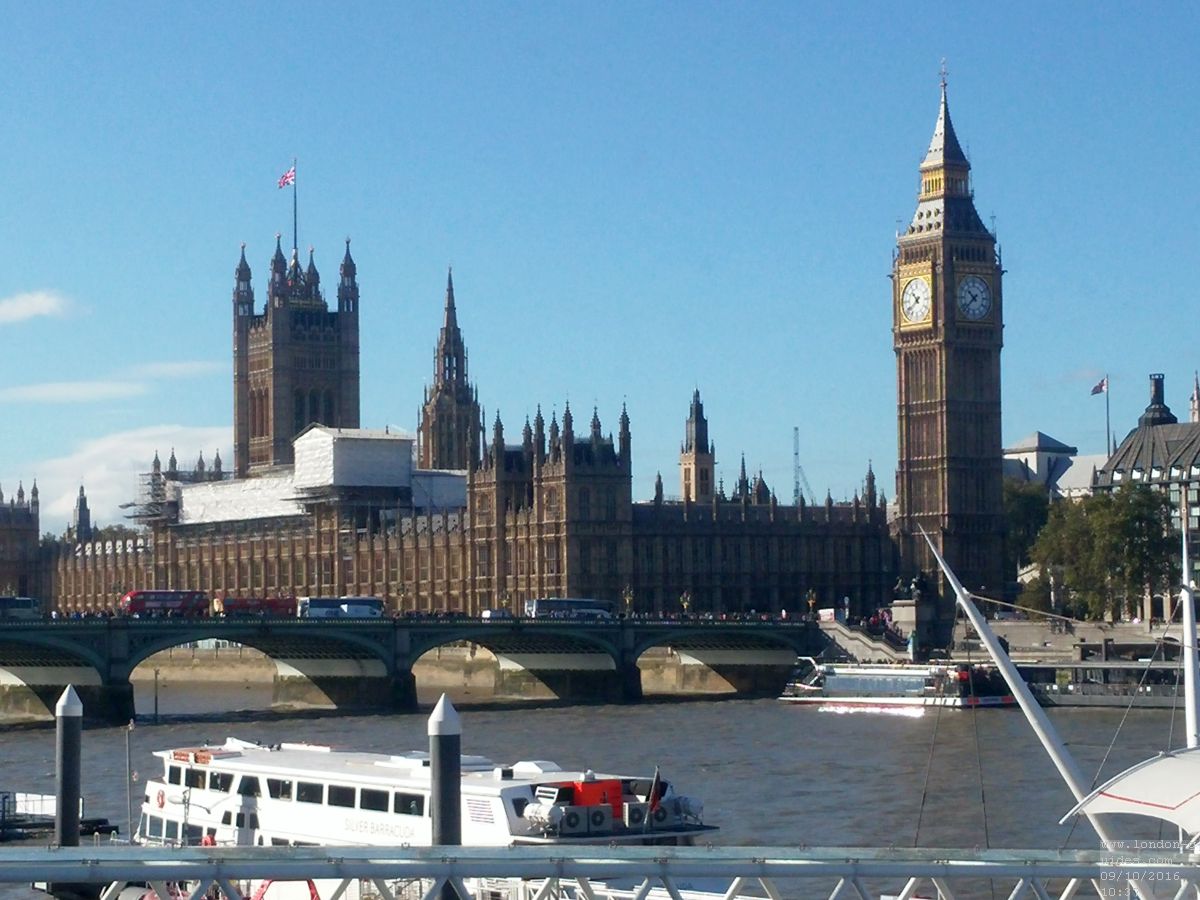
<point x="295" y="220"/>
<point x="1107" y="428"/>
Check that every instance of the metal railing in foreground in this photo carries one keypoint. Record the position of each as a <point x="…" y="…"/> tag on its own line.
<point x="591" y="873"/>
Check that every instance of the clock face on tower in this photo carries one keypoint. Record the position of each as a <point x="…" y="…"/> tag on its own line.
<point x="914" y="301"/>
<point x="974" y="298"/>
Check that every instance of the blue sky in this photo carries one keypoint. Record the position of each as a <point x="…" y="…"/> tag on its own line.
<point x="637" y="199"/>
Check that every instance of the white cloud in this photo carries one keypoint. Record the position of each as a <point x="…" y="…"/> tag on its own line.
<point x="133" y="385"/>
<point x="71" y="391"/>
<point x="181" y="369"/>
<point x="20" y="307"/>
<point x="109" y="468"/>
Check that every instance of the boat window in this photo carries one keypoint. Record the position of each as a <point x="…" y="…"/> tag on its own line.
<point x="194" y="778"/>
<point x="227" y="818"/>
<point x="193" y="834"/>
<point x="171" y="829"/>
<point x="519" y="804"/>
<point x="340" y="795"/>
<point x="310" y="792"/>
<point x="241" y="820"/>
<point x="279" y="789"/>
<point x="220" y="781"/>
<point x="376" y="800"/>
<point x="254" y="820"/>
<point x="260" y="840"/>
<point x="156" y="827"/>
<point x="173" y="775"/>
<point x="248" y="786"/>
<point x="304" y="844"/>
<point x="410" y="804"/>
<point x="279" y="842"/>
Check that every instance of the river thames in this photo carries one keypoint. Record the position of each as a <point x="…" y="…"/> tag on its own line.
<point x="768" y="773"/>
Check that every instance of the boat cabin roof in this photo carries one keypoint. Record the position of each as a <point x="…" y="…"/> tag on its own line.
<point x="300" y="760"/>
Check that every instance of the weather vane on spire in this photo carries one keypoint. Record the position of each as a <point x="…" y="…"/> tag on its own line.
<point x="944" y="73"/>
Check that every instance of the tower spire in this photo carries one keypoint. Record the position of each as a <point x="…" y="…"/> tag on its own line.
<point x="451" y="317"/>
<point x="449" y="416"/>
<point x="944" y="147"/>
<point x="1195" y="400"/>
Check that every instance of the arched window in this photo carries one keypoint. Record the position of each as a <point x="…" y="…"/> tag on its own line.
<point x="299" y="412"/>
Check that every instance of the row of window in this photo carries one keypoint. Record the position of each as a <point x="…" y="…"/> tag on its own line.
<point x="341" y="795"/>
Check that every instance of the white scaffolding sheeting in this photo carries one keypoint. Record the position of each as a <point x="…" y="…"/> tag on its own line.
<point x="352" y="457"/>
<point x="267" y="497"/>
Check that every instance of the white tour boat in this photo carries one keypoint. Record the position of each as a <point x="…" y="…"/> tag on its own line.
<point x="248" y="794"/>
<point x="896" y="686"/>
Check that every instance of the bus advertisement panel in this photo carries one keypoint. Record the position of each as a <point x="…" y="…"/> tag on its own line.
<point x="567" y="608"/>
<point x="264" y="607"/>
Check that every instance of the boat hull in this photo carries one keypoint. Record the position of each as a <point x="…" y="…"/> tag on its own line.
<point x="903" y="702"/>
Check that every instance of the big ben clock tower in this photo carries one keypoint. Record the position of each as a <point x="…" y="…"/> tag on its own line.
<point x="947" y="330"/>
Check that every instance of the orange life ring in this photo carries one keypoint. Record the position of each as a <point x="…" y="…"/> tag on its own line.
<point x="208" y="841"/>
<point x="161" y="799"/>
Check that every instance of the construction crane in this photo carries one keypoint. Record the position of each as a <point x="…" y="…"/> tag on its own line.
<point x="798" y="475"/>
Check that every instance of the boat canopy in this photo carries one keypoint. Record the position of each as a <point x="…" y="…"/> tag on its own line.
<point x="1152" y="788"/>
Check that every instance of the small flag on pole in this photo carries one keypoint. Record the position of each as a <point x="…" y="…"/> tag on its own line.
<point x="653" y="797"/>
<point x="288" y="177"/>
<point x="1100" y="388"/>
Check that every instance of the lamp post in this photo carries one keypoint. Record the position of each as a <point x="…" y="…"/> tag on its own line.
<point x="627" y="599"/>
<point x="156" y="696"/>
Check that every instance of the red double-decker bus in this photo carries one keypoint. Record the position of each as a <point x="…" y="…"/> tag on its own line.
<point x="234" y="607"/>
<point x="185" y="604"/>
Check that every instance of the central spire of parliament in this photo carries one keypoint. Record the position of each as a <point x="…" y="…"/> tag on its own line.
<point x="450" y="418"/>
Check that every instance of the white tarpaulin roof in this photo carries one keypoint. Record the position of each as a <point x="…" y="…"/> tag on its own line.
<point x="1165" y="787"/>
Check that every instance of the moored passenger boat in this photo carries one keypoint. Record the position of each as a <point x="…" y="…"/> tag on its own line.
<point x="896" y="686"/>
<point x="250" y="794"/>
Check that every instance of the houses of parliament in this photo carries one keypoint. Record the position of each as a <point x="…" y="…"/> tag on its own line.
<point x="471" y="515"/>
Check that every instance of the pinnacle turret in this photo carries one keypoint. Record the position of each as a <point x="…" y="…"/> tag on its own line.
<point x="242" y="272"/>
<point x="311" y="275"/>
<point x="278" y="261"/>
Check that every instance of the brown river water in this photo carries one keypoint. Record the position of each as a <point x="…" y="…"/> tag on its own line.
<point x="768" y="773"/>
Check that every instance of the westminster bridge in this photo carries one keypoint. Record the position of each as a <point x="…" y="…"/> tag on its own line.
<point x="367" y="664"/>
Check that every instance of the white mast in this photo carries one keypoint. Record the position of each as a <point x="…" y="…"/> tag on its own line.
<point x="1038" y="720"/>
<point x="1188" y="604"/>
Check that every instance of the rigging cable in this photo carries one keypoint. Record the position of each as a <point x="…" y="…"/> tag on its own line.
<point x="1124" y="717"/>
<point x="928" y="770"/>
<point x="974" y="710"/>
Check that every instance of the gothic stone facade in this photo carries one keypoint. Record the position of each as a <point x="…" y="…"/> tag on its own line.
<point x="550" y="516"/>
<point x="19" y="536"/>
<point x="296" y="363"/>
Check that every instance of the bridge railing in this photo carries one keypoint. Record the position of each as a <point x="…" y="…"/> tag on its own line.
<point x="582" y="872"/>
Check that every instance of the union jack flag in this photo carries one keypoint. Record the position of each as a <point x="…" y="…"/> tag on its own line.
<point x="288" y="177"/>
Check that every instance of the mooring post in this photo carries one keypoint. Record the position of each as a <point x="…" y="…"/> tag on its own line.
<point x="68" y="714"/>
<point x="445" y="773"/>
